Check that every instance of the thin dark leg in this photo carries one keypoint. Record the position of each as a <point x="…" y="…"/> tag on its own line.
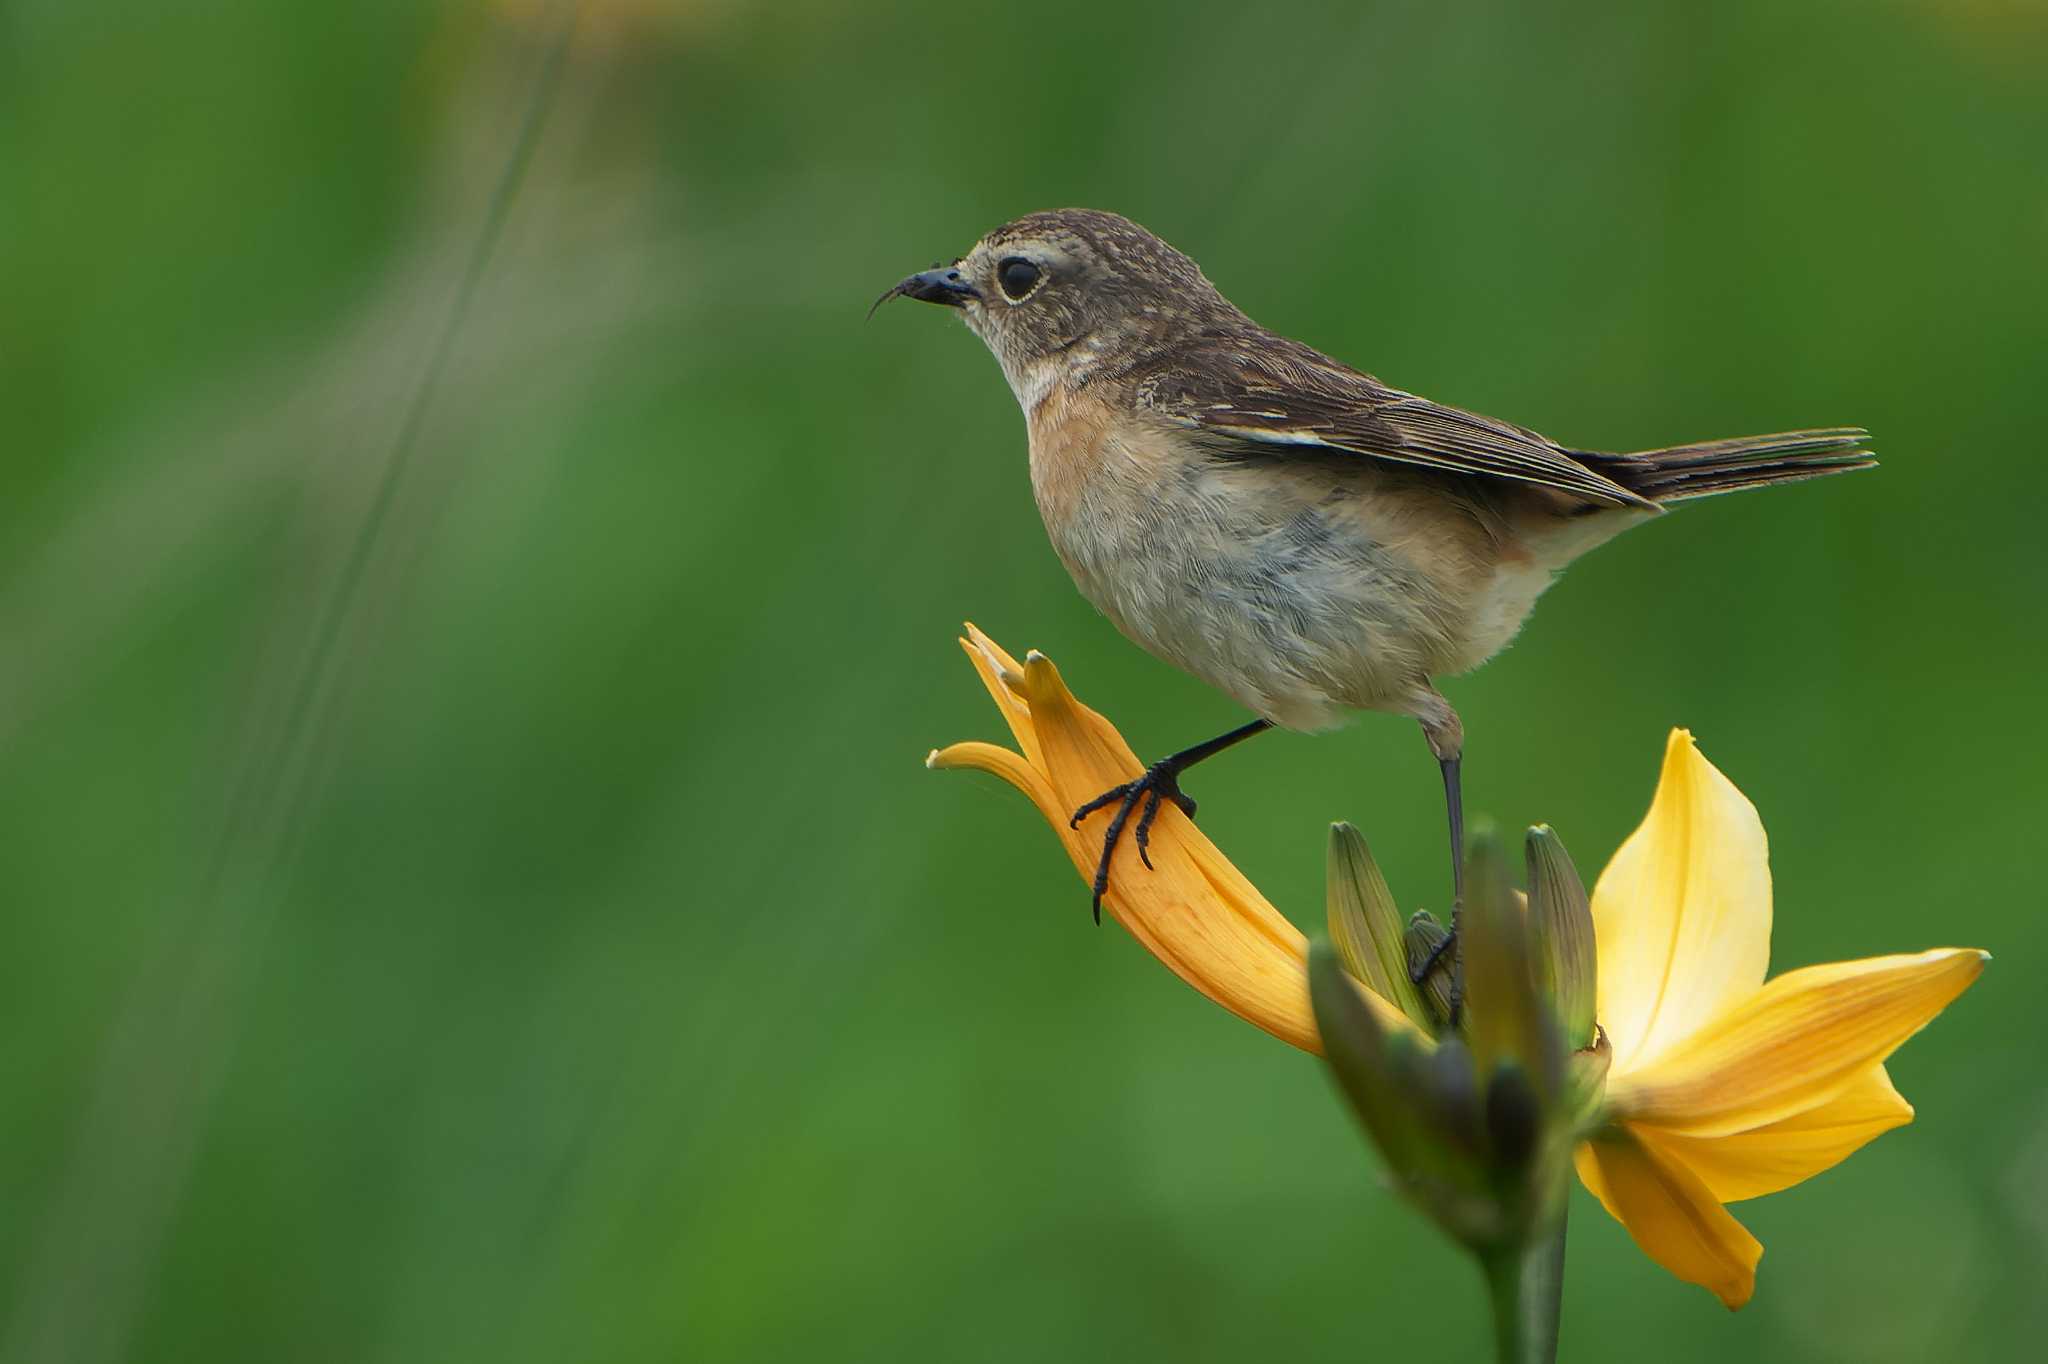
<point x="1188" y="757"/>
<point x="1160" y="783"/>
<point x="1454" y="804"/>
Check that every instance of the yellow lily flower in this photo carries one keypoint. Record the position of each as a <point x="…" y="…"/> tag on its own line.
<point x="1722" y="1086"/>
<point x="1194" y="910"/>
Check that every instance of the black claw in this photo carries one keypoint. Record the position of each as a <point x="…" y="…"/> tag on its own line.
<point x="1115" y="831"/>
<point x="1113" y="794"/>
<point x="1144" y="830"/>
<point x="1422" y="970"/>
<point x="1160" y="783"/>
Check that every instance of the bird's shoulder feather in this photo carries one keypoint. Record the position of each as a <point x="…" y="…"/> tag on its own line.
<point x="1259" y="387"/>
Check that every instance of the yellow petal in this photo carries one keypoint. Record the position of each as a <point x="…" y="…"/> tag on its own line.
<point x="1780" y="1154"/>
<point x="1003" y="675"/>
<point x="1682" y="915"/>
<point x="1193" y="910"/>
<point x="1794" y="1044"/>
<point x="1671" y="1215"/>
<point x="1011" y="767"/>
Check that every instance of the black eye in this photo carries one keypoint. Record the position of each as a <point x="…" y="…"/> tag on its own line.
<point x="1017" y="276"/>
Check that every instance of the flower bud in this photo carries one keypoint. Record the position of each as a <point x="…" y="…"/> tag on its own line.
<point x="1561" y="927"/>
<point x="1475" y="1127"/>
<point x="1510" y="1022"/>
<point x="1365" y="924"/>
<point x="1514" y="1119"/>
<point x="1479" y="1151"/>
<point x="1416" y="1099"/>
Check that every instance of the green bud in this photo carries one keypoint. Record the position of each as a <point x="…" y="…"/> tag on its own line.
<point x="1476" y="1125"/>
<point x="1421" y="941"/>
<point x="1375" y="1068"/>
<point x="1514" y="1120"/>
<point x="1449" y="1089"/>
<point x="1477" y="1150"/>
<point x="1561" y="925"/>
<point x="1418" y="1101"/>
<point x="1510" y="1023"/>
<point x="1365" y="924"/>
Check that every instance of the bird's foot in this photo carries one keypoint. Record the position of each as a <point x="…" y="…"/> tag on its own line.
<point x="1160" y="783"/>
<point x="1427" y="966"/>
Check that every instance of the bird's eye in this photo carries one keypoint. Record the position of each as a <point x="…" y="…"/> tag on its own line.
<point x="1017" y="276"/>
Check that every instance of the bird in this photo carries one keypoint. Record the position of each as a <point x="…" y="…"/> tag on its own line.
<point x="1297" y="534"/>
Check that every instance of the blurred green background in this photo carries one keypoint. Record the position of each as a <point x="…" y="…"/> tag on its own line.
<point x="498" y="913"/>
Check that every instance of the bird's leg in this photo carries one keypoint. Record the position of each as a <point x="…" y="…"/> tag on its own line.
<point x="1446" y="735"/>
<point x="1160" y="782"/>
<point x="1454" y="803"/>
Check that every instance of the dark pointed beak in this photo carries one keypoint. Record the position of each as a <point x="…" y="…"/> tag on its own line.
<point x="940" y="284"/>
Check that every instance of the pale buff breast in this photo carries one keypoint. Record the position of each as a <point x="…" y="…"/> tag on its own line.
<point x="1303" y="588"/>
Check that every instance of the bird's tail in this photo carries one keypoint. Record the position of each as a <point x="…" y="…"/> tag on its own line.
<point x="1725" y="466"/>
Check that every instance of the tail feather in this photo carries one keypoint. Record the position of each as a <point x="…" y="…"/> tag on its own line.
<point x="1683" y="472"/>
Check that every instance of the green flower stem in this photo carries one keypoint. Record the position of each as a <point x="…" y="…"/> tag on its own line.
<point x="1526" y="1284"/>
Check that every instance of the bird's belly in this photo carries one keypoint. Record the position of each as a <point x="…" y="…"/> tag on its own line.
<point x="1498" y="608"/>
<point x="1285" y="592"/>
<point x="1502" y="597"/>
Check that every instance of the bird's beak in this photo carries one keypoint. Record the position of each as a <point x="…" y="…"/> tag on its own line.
<point x="940" y="284"/>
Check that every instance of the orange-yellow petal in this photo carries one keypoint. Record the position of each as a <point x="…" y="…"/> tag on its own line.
<point x="1193" y="910"/>
<point x="1682" y="915"/>
<point x="1778" y="1155"/>
<point x="1671" y="1214"/>
<point x="1794" y="1044"/>
<point x="1003" y="676"/>
<point x="1001" y="762"/>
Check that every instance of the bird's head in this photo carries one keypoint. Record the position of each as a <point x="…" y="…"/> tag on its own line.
<point x="1059" y="292"/>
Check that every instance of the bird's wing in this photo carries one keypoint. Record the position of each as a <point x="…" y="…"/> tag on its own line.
<point x="1278" y="393"/>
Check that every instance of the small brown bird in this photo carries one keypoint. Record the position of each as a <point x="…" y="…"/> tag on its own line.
<point x="1290" y="530"/>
